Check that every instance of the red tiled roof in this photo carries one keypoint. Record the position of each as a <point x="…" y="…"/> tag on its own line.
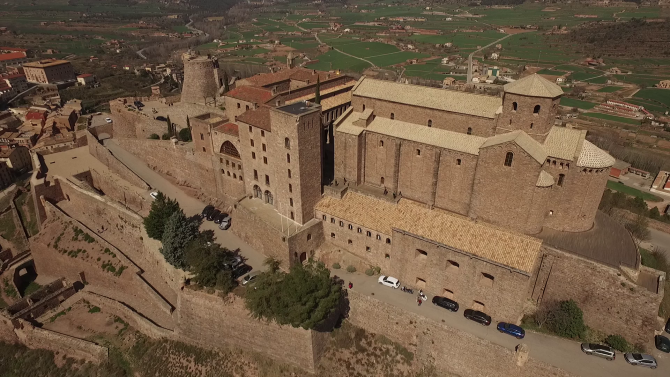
<point x="228" y="128"/>
<point x="258" y="118"/>
<point x="12" y="56"/>
<point x="12" y="76"/>
<point x="85" y="75"/>
<point x="251" y="94"/>
<point x="15" y="49"/>
<point x="302" y="74"/>
<point x="34" y="114"/>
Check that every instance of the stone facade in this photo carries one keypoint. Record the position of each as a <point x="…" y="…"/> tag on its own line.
<point x="201" y="80"/>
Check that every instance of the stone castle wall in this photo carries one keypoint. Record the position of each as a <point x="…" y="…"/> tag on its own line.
<point x="103" y="155"/>
<point x="610" y="302"/>
<point x="213" y="322"/>
<point x="111" y="187"/>
<point x="133" y="124"/>
<point x="451" y="351"/>
<point x="35" y="337"/>
<point x="180" y="162"/>
<point x="259" y="235"/>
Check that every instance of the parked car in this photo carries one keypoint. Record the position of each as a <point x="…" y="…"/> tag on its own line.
<point x="477" y="316"/>
<point x="446" y="303"/>
<point x="206" y="211"/>
<point x="212" y="215"/>
<point x="667" y="324"/>
<point x="241" y="270"/>
<point x="154" y="195"/>
<point x="225" y="223"/>
<point x="249" y="278"/>
<point x="510" y="329"/>
<point x="662" y="343"/>
<point x="219" y="218"/>
<point x="108" y="120"/>
<point x="161" y="118"/>
<point x="599" y="350"/>
<point x="389" y="281"/>
<point x="640" y="359"/>
<point x="234" y="263"/>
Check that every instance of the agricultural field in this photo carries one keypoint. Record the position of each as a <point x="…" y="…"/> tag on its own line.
<point x="333" y="60"/>
<point x="571" y="102"/>
<point x="610" y="89"/>
<point x="613" y="118"/>
<point x="660" y="96"/>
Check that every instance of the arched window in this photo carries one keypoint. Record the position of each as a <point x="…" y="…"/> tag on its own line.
<point x="508" y="158"/>
<point x="379" y="238"/>
<point x="238" y="105"/>
<point x="536" y="109"/>
<point x="287" y="143"/>
<point x="430" y="123"/>
<point x="268" y="197"/>
<point x="515" y="106"/>
<point x="392" y="116"/>
<point x="229" y="149"/>
<point x="381" y="180"/>
<point x="469" y="130"/>
<point x="381" y="143"/>
<point x="458" y="161"/>
<point x="388" y="240"/>
<point x="309" y="236"/>
<point x="561" y="178"/>
<point x="351" y="227"/>
<point x="258" y="193"/>
<point x="368" y="233"/>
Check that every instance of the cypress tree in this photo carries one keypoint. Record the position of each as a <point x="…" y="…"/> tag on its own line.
<point x="225" y="82"/>
<point x="317" y="96"/>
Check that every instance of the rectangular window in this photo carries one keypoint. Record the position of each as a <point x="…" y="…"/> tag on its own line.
<point x="267" y="180"/>
<point x="262" y="133"/>
<point x="250" y="129"/>
<point x="227" y="162"/>
<point x="255" y="174"/>
<point x="265" y="160"/>
<point x="252" y="142"/>
<point x="264" y="149"/>
<point x="202" y="137"/>
<point x="253" y="155"/>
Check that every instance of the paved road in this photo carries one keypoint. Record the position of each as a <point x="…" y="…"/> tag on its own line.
<point x="190" y="205"/>
<point x="559" y="352"/>
<point x="342" y="52"/>
<point x="660" y="240"/>
<point x="562" y="353"/>
<point x="476" y="51"/>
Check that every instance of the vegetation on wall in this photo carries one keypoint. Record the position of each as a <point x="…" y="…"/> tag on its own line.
<point x="303" y="297"/>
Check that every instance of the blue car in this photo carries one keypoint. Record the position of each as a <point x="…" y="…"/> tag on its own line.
<point x="511" y="329"/>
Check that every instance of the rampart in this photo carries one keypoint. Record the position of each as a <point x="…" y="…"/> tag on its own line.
<point x="103" y="155"/>
<point x="259" y="235"/>
<point x="35" y="337"/>
<point x="451" y="351"/>
<point x="132" y="123"/>
<point x="180" y="162"/>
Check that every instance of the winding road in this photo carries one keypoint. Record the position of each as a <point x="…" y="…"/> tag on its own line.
<point x="316" y="35"/>
<point x="476" y="51"/>
<point x="140" y="53"/>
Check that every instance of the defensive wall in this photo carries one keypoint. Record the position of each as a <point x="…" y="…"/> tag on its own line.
<point x="448" y="349"/>
<point x="177" y="161"/>
<point x="612" y="300"/>
<point x="132" y="123"/>
<point x="103" y="155"/>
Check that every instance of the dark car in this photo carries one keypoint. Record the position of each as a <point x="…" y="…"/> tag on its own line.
<point x="220" y="217"/>
<point x="662" y="343"/>
<point x="477" y="316"/>
<point x="667" y="326"/>
<point x="446" y="303"/>
<point x="511" y="329"/>
<point x="162" y="118"/>
<point x="234" y="263"/>
<point x="212" y="215"/>
<point x="206" y="211"/>
<point x="241" y="270"/>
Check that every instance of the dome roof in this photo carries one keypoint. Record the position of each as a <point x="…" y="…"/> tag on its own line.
<point x="544" y="180"/>
<point x="534" y="86"/>
<point x="594" y="157"/>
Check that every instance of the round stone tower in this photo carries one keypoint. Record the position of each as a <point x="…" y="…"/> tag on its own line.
<point x="200" y="80"/>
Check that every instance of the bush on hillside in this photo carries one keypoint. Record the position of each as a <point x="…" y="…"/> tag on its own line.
<point x="618" y="342"/>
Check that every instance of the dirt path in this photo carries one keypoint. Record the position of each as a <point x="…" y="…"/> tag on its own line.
<point x="344" y="53"/>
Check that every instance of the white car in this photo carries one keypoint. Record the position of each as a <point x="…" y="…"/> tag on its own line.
<point x="154" y="195"/>
<point x="249" y="278"/>
<point x="108" y="120"/>
<point x="389" y="281"/>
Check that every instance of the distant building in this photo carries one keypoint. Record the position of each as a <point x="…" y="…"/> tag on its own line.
<point x="49" y="71"/>
<point x="615" y="70"/>
<point x="85" y="79"/>
<point x="12" y="56"/>
<point x="640" y="172"/>
<point x="619" y="168"/>
<point x="16" y="80"/>
<point x="17" y="159"/>
<point x="560" y="79"/>
<point x="664" y="84"/>
<point x="495" y="56"/>
<point x="448" y="81"/>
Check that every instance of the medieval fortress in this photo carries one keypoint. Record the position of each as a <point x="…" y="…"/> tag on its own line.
<point x="478" y="198"/>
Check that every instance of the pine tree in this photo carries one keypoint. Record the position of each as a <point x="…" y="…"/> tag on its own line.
<point x="179" y="231"/>
<point x="188" y="122"/>
<point x="161" y="209"/>
<point x="226" y="88"/>
<point x="169" y="126"/>
<point x="317" y="96"/>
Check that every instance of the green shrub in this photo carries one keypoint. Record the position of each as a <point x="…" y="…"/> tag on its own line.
<point x="618" y="342"/>
<point x="154" y="137"/>
<point x="351" y="268"/>
<point x="378" y="270"/>
<point x="185" y="134"/>
<point x="166" y="136"/>
<point x="94" y="309"/>
<point x="567" y="320"/>
<point x="369" y="272"/>
<point x="336" y="266"/>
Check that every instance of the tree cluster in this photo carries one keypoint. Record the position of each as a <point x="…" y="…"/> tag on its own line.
<point x="209" y="262"/>
<point x="161" y="210"/>
<point x="564" y="318"/>
<point x="303" y="297"/>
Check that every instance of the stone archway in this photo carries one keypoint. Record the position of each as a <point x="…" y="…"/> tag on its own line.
<point x="303" y="257"/>
<point x="229" y="149"/>
<point x="268" y="198"/>
<point x="258" y="193"/>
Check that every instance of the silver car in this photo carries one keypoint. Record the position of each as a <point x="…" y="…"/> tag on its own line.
<point x="598" y="350"/>
<point x="640" y="359"/>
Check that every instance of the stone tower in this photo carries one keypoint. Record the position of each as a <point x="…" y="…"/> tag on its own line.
<point x="201" y="81"/>
<point x="289" y="60"/>
<point x="529" y="105"/>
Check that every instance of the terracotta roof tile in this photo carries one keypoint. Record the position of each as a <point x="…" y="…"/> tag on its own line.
<point x="251" y="94"/>
<point x="482" y="240"/>
<point x="594" y="157"/>
<point x="258" y="118"/>
<point x="535" y="86"/>
<point x="12" y="56"/>
<point x="228" y="128"/>
<point x="301" y="74"/>
<point x="527" y="143"/>
<point x="564" y="143"/>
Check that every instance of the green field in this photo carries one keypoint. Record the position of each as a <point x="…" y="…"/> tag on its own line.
<point x="613" y="118"/>
<point x="616" y="186"/>
<point x="571" y="102"/>
<point x="181" y="29"/>
<point x="610" y="89"/>
<point x="368" y="49"/>
<point x="552" y="72"/>
<point x="396" y="58"/>
<point x="333" y="60"/>
<point x="660" y="96"/>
